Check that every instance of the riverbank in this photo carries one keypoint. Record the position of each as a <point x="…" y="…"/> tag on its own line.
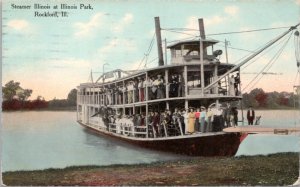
<point x="276" y="169"/>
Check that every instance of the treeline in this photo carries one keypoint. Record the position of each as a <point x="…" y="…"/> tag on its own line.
<point x="258" y="98"/>
<point x="16" y="98"/>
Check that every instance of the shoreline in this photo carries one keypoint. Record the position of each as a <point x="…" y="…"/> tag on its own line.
<point x="274" y="169"/>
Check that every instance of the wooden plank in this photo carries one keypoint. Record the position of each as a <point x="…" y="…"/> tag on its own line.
<point x="263" y="130"/>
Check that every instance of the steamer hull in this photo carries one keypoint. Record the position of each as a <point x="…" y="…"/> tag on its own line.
<point x="207" y="144"/>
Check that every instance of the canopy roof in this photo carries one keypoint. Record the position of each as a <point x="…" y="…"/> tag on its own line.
<point x="206" y="42"/>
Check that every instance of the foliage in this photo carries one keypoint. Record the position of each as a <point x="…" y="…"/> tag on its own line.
<point x="72" y="97"/>
<point x="16" y="104"/>
<point x="64" y="103"/>
<point x="258" y="98"/>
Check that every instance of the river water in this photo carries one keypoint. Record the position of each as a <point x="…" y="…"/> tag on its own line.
<point x="47" y="139"/>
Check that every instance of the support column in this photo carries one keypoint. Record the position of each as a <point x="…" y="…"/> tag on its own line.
<point x="216" y="91"/>
<point x="167" y="82"/>
<point x="133" y="110"/>
<point x="185" y="81"/>
<point x="186" y="105"/>
<point x="146" y="96"/>
<point x="146" y="119"/>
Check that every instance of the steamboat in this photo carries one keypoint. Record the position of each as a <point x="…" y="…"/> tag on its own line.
<point x="155" y="107"/>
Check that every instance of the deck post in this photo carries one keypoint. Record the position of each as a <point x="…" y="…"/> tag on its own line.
<point x="146" y="121"/>
<point x="146" y="87"/>
<point x="216" y="91"/>
<point x="180" y="127"/>
<point x="167" y="82"/>
<point x="123" y="97"/>
<point x="185" y="81"/>
<point x="133" y="109"/>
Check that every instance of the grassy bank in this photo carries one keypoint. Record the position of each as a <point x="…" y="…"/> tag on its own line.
<point x="277" y="169"/>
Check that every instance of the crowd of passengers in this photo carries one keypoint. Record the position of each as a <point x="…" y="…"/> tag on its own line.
<point x="201" y="120"/>
<point x="135" y="90"/>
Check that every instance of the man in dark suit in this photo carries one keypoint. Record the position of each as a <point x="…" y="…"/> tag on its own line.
<point x="250" y="115"/>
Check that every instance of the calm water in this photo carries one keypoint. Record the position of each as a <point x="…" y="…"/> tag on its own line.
<point x="38" y="140"/>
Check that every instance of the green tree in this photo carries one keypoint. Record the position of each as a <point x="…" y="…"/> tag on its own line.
<point x="10" y="90"/>
<point x="24" y="94"/>
<point x="72" y="97"/>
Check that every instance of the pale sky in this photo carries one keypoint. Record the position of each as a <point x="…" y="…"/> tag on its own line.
<point x="51" y="56"/>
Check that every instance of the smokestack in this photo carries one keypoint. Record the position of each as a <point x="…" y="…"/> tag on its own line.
<point x="201" y="28"/>
<point x="158" y="39"/>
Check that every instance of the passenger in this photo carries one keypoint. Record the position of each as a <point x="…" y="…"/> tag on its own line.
<point x="169" y="117"/>
<point x="182" y="120"/>
<point x="150" y="124"/>
<point x="146" y="84"/>
<point x="202" y="119"/>
<point x="159" y="84"/>
<point x="236" y="84"/>
<point x="141" y="89"/>
<point x="209" y="116"/>
<point x="231" y="86"/>
<point x="130" y="92"/>
<point x="235" y="116"/>
<point x="156" y="120"/>
<point x="197" y="121"/>
<point x="136" y="91"/>
<point x="120" y="93"/>
<point x="108" y="95"/>
<point x="250" y="116"/>
<point x="226" y="115"/>
<point x="175" y="115"/>
<point x="191" y="121"/>
<point x="173" y="86"/>
<point x="162" y="123"/>
<point x="142" y="120"/>
<point x="153" y="89"/>
<point x="124" y="90"/>
<point x="185" y="119"/>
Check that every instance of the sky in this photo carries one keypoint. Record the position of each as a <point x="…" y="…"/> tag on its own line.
<point x="51" y="55"/>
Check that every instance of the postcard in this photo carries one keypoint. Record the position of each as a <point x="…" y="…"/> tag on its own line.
<point x="136" y="92"/>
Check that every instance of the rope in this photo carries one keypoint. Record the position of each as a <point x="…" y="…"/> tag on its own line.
<point x="148" y="52"/>
<point x="264" y="53"/>
<point x="246" y="31"/>
<point x="268" y="65"/>
<point x="223" y="33"/>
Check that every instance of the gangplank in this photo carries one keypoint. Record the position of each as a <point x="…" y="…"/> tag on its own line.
<point x="264" y="130"/>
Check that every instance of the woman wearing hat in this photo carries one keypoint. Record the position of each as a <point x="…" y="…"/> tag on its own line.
<point x="202" y="119"/>
<point x="191" y="121"/>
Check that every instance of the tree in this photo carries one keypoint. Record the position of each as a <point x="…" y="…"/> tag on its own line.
<point x="10" y="90"/>
<point x="24" y="94"/>
<point x="72" y="97"/>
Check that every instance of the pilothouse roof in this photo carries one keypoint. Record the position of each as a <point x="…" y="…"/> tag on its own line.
<point x="206" y="43"/>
